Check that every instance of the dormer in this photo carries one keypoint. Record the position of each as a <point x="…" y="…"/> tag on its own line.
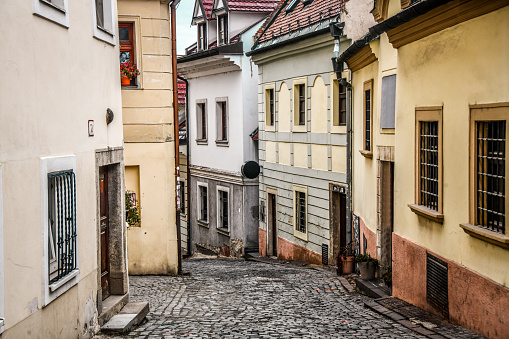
<point x="200" y="20"/>
<point x="220" y="12"/>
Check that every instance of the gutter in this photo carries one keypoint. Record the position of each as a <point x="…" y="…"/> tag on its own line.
<point x="188" y="155"/>
<point x="236" y="48"/>
<point x="289" y="41"/>
<point x="402" y="17"/>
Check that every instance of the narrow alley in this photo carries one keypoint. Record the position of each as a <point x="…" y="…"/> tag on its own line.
<point x="232" y="298"/>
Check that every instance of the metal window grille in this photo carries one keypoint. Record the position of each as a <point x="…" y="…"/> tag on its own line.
<point x="437" y="286"/>
<point x="271" y="106"/>
<point x="300" y="208"/>
<point x="203" y="203"/>
<point x="342" y="105"/>
<point x="61" y="224"/>
<point x="302" y="105"/>
<point x="428" y="162"/>
<point x="490" y="157"/>
<point x="367" y="103"/>
<point x="99" y="12"/>
<point x="223" y="209"/>
<point x="224" y="125"/>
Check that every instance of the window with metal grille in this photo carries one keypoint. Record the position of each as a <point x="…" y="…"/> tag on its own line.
<point x="62" y="224"/>
<point x="223" y="221"/>
<point x="302" y="104"/>
<point x="300" y="211"/>
<point x="222" y="23"/>
<point x="490" y="175"/>
<point x="270" y="100"/>
<point x="203" y="212"/>
<point x="367" y="120"/>
<point x="429" y="164"/>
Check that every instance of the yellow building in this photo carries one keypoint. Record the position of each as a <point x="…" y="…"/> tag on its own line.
<point x="62" y="224"/>
<point x="450" y="241"/>
<point x="144" y="30"/>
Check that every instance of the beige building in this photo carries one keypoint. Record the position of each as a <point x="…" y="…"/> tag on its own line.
<point x="443" y="167"/>
<point x="62" y="226"/>
<point x="144" y="30"/>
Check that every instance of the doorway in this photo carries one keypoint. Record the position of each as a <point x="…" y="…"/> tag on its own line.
<point x="271" y="225"/>
<point x="387" y="214"/>
<point x="105" y="232"/>
<point x="338" y="221"/>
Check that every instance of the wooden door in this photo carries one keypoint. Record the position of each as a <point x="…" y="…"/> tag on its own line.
<point x="338" y="224"/>
<point x="105" y="234"/>
<point x="387" y="213"/>
<point x="272" y="225"/>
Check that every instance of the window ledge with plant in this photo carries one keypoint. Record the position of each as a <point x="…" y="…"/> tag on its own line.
<point x="428" y="213"/>
<point x="487" y="235"/>
<point x="128" y="74"/>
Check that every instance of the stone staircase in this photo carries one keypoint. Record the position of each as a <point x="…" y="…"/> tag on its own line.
<point x="119" y="315"/>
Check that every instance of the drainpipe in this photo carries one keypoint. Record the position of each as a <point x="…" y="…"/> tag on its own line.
<point x="188" y="155"/>
<point x="349" y="156"/>
<point x="173" y="9"/>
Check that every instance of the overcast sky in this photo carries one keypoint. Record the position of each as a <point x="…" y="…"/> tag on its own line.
<point x="186" y="35"/>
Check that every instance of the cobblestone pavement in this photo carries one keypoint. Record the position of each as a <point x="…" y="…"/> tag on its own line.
<point x="245" y="299"/>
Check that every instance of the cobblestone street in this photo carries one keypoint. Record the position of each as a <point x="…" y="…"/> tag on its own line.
<point x="245" y="299"/>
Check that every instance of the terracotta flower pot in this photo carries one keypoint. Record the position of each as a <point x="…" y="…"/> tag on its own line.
<point x="125" y="81"/>
<point x="367" y="270"/>
<point x="348" y="264"/>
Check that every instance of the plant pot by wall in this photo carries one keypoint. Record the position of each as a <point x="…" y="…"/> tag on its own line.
<point x="125" y="81"/>
<point x="367" y="270"/>
<point x="348" y="264"/>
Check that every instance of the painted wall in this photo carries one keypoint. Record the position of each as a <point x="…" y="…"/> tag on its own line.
<point x="421" y="63"/>
<point x="148" y="130"/>
<point x="239" y="21"/>
<point x="59" y="79"/>
<point x="357" y="18"/>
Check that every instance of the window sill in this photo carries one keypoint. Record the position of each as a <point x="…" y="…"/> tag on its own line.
<point x="486" y="235"/>
<point x="223" y="232"/>
<point x="222" y="143"/>
<point x="428" y="213"/>
<point x="366" y="154"/>
<point x="203" y="223"/>
<point x="202" y="141"/>
<point x="300" y="235"/>
<point x="387" y="131"/>
<point x="55" y="286"/>
<point x="131" y="87"/>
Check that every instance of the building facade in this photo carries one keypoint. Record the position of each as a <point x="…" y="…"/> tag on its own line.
<point x="62" y="221"/>
<point x="222" y="113"/>
<point x="149" y="136"/>
<point x="448" y="164"/>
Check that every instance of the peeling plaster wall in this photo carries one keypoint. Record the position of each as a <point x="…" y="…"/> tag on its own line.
<point x="358" y="18"/>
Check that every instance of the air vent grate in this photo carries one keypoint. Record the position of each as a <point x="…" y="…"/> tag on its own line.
<point x="325" y="254"/>
<point x="437" y="287"/>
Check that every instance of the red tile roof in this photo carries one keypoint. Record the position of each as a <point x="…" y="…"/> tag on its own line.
<point x="300" y="17"/>
<point x="208" y="7"/>
<point x="252" y="5"/>
<point x="181" y="94"/>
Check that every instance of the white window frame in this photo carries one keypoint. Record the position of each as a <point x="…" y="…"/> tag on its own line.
<point x="106" y="33"/>
<point x="224" y="16"/>
<point x="199" y="46"/>
<point x="227" y="190"/>
<point x="58" y="14"/>
<point x="53" y="291"/>
<point x="198" y="205"/>
<point x="219" y="121"/>
<point x="200" y="122"/>
<point x="297" y="233"/>
<point x="2" y="296"/>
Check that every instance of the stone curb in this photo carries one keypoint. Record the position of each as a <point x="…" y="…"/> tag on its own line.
<point x="374" y="306"/>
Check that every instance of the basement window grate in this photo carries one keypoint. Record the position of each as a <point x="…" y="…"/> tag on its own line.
<point x="325" y="254"/>
<point x="437" y="287"/>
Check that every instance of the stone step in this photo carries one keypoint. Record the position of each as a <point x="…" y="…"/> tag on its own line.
<point x="111" y="306"/>
<point x="131" y="315"/>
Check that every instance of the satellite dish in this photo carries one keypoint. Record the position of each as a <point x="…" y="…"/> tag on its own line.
<point x="250" y="169"/>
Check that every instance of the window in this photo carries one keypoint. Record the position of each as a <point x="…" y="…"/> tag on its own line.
<point x="103" y="21"/>
<point x="299" y="105"/>
<point x="62" y="224"/>
<point x="291" y="6"/>
<point x="203" y="203"/>
<point x="269" y="97"/>
<point x="368" y="119"/>
<point x="59" y="228"/>
<point x="488" y="173"/>
<point x="340" y="110"/>
<point x="388" y="105"/>
<point x="52" y="10"/>
<point x="428" y="181"/>
<point x="126" y="40"/>
<point x="300" y="212"/>
<point x="201" y="120"/>
<point x="202" y="37"/>
<point x="222" y="29"/>
<point x="182" y="197"/>
<point x="223" y="210"/>
<point x="222" y="120"/>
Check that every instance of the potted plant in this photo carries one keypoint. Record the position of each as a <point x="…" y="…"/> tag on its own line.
<point x="346" y="260"/>
<point x="128" y="71"/>
<point x="367" y="266"/>
<point x="132" y="210"/>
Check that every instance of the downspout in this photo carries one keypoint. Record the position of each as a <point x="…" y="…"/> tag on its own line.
<point x="173" y="9"/>
<point x="349" y="154"/>
<point x="188" y="155"/>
